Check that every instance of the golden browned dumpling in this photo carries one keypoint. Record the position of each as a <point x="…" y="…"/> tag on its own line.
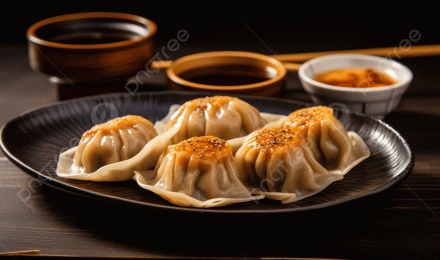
<point x="112" y="151"/>
<point x="114" y="141"/>
<point x="279" y="164"/>
<point x="220" y="116"/>
<point x="334" y="147"/>
<point x="197" y="172"/>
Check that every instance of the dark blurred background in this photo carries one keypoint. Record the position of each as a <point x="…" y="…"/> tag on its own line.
<point x="263" y="30"/>
<point x="267" y="31"/>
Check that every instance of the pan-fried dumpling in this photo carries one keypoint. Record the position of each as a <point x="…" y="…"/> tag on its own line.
<point x="113" y="150"/>
<point x="333" y="147"/>
<point x="114" y="141"/>
<point x="220" y="116"/>
<point x="279" y="164"/>
<point x="197" y="172"/>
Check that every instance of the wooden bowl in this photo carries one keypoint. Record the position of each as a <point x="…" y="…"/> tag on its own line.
<point x="229" y="72"/>
<point x="91" y="53"/>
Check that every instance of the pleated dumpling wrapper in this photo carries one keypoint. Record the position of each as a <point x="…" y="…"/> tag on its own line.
<point x="221" y="116"/>
<point x="337" y="149"/>
<point x="198" y="172"/>
<point x="279" y="164"/>
<point x="111" y="151"/>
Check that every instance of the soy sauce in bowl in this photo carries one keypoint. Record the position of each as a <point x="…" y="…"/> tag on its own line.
<point x="92" y="38"/>
<point x="222" y="79"/>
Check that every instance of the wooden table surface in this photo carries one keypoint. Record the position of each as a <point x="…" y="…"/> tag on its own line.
<point x="402" y="222"/>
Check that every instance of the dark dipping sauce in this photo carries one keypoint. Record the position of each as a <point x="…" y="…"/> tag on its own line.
<point x="227" y="75"/>
<point x="91" y="31"/>
<point x="92" y="38"/>
<point x="225" y="79"/>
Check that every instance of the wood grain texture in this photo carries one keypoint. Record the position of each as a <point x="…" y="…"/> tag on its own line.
<point x="402" y="223"/>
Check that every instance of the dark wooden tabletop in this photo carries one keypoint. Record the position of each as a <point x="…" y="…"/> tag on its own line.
<point x="402" y="222"/>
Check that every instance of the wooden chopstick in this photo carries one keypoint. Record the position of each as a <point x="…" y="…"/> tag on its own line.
<point x="162" y="64"/>
<point x="291" y="60"/>
<point x="19" y="253"/>
<point x="292" y="67"/>
<point x="166" y="64"/>
<point x="390" y="52"/>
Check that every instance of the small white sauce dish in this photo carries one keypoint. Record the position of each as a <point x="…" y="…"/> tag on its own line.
<point x="375" y="101"/>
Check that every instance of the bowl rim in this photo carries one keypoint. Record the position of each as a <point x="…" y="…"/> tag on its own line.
<point x="32" y="37"/>
<point x="281" y="70"/>
<point x="317" y="84"/>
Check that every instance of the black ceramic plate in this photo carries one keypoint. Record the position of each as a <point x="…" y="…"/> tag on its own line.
<point x="34" y="140"/>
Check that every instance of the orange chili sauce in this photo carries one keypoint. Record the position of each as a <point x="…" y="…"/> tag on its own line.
<point x="355" y="78"/>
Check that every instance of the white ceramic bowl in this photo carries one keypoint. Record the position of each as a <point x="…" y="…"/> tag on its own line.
<point x="376" y="102"/>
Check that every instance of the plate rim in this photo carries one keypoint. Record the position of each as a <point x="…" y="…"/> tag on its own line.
<point x="60" y="185"/>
